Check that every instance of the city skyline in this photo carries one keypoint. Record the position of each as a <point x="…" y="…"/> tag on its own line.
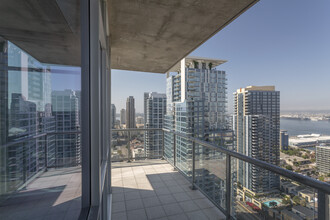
<point x="290" y="52"/>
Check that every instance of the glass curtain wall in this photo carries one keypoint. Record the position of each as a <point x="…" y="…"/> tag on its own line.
<point x="40" y="106"/>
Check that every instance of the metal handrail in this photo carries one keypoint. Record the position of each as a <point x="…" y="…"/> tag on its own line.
<point x="323" y="189"/>
<point x="38" y="136"/>
<point x="314" y="183"/>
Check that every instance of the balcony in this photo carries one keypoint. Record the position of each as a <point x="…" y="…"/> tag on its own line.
<point x="152" y="189"/>
<point x="55" y="194"/>
<point x="167" y="183"/>
<point x="204" y="176"/>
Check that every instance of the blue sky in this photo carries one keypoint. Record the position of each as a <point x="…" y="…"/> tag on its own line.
<point x="283" y="43"/>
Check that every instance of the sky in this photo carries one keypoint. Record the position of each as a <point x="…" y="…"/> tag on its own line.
<point x="283" y="43"/>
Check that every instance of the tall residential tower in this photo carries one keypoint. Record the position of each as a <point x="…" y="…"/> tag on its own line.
<point x="113" y="116"/>
<point x="155" y="108"/>
<point x="122" y="116"/>
<point x="256" y="124"/>
<point x="197" y="106"/>
<point x="130" y="112"/>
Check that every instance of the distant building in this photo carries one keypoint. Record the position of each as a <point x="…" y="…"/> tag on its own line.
<point x="284" y="140"/>
<point x="122" y="116"/>
<point x="66" y="113"/>
<point x="309" y="140"/>
<point x="113" y="116"/>
<point x="256" y="124"/>
<point x="323" y="159"/>
<point x="139" y="120"/>
<point x="155" y="105"/>
<point x="130" y="112"/>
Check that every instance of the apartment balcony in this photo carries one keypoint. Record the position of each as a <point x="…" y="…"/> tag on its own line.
<point x="152" y="189"/>
<point x="200" y="179"/>
<point x="55" y="194"/>
<point x="160" y="185"/>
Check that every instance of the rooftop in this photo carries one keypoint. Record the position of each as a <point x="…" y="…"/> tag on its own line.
<point x="256" y="88"/>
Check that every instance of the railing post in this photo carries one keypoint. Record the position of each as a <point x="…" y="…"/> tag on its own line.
<point x="228" y="186"/>
<point x="46" y="152"/>
<point x="323" y="205"/>
<point x="174" y="151"/>
<point x="193" y="187"/>
<point x="163" y="145"/>
<point x="129" y="147"/>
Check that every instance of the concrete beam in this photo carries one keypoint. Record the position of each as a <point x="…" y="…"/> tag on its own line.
<point x="153" y="35"/>
<point x="147" y="35"/>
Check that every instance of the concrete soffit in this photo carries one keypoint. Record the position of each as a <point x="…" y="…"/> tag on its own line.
<point x="153" y="36"/>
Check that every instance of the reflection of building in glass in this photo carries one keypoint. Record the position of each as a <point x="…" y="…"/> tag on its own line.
<point x="66" y="113"/>
<point x="256" y="124"/>
<point x="197" y="107"/>
<point x="113" y="116"/>
<point x="155" y="105"/>
<point x="25" y="112"/>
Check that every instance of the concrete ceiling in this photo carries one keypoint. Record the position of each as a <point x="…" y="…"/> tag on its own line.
<point x="49" y="30"/>
<point x="153" y="35"/>
<point x="146" y="35"/>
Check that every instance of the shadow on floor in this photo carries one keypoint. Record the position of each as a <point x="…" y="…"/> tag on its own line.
<point x="46" y="198"/>
<point x="155" y="191"/>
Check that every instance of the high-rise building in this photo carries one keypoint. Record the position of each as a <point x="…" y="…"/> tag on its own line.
<point x="66" y="112"/>
<point x="130" y="112"/>
<point x="284" y="140"/>
<point x="256" y="124"/>
<point x="113" y="116"/>
<point x="155" y="104"/>
<point x="323" y="159"/>
<point x="24" y="112"/>
<point x="197" y="106"/>
<point x="122" y="116"/>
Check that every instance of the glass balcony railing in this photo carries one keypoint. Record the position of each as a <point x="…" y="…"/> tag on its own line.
<point x="240" y="186"/>
<point x="29" y="157"/>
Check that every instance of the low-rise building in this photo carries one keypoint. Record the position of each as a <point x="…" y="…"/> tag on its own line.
<point x="309" y="140"/>
<point x="289" y="187"/>
<point x="294" y="160"/>
<point x="304" y="212"/>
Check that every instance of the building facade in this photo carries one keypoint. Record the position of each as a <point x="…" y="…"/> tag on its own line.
<point x="113" y="116"/>
<point x="130" y="112"/>
<point x="256" y="125"/>
<point x="284" y="140"/>
<point x="155" y="104"/>
<point x="66" y="113"/>
<point x="197" y="106"/>
<point x="122" y="116"/>
<point x="24" y="112"/>
<point x="323" y="159"/>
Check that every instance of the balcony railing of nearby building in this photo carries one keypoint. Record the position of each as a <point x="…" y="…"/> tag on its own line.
<point x="212" y="168"/>
<point x="30" y="157"/>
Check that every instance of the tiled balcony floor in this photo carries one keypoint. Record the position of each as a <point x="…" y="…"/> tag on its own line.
<point x="56" y="194"/>
<point x="150" y="189"/>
